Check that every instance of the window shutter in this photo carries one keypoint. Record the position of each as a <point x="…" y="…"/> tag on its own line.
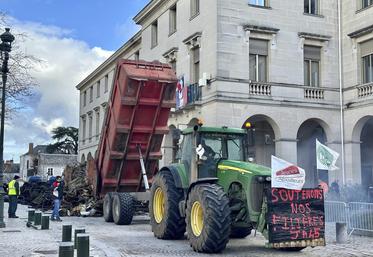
<point x="312" y="52"/>
<point x="366" y="48"/>
<point x="258" y="46"/>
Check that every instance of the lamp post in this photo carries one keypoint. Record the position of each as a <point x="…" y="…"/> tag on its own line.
<point x="5" y="47"/>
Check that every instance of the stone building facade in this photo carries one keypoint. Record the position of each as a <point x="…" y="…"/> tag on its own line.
<point x="276" y="64"/>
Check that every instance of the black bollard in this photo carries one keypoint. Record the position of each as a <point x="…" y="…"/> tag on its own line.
<point x="83" y="245"/>
<point x="45" y="222"/>
<point x="66" y="233"/>
<point x="66" y="249"/>
<point x="37" y="218"/>
<point x="31" y="214"/>
<point x="77" y="231"/>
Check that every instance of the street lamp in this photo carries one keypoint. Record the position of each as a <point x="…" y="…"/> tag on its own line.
<point x="5" y="47"/>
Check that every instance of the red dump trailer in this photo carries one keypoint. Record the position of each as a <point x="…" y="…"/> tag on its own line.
<point x="141" y="98"/>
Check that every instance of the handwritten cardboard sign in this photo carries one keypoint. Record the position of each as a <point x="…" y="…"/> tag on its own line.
<point x="295" y="215"/>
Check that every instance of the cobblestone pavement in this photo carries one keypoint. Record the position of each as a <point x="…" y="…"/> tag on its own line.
<point x="107" y="239"/>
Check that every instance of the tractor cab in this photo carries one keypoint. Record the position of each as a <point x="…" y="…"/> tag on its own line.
<point x="203" y="148"/>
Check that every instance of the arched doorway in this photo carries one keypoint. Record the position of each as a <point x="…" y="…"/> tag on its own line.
<point x="82" y="160"/>
<point x="307" y="134"/>
<point x="89" y="156"/>
<point x="261" y="139"/>
<point x="193" y="122"/>
<point x="366" y="153"/>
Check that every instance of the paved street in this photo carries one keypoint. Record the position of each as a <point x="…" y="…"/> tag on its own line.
<point x="137" y="240"/>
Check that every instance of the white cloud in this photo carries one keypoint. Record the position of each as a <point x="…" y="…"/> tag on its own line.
<point x="47" y="126"/>
<point x="66" y="62"/>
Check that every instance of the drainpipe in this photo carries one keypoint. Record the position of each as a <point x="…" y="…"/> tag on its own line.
<point x="340" y="68"/>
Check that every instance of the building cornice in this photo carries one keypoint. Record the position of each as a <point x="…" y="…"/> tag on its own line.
<point x="312" y="36"/>
<point x="361" y="32"/>
<point x="148" y="10"/>
<point x="260" y="29"/>
<point x="111" y="60"/>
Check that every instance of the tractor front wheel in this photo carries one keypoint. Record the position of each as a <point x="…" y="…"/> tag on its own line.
<point x="208" y="218"/>
<point x="164" y="212"/>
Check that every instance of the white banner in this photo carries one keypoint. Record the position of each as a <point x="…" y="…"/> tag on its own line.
<point x="326" y="157"/>
<point x="287" y="175"/>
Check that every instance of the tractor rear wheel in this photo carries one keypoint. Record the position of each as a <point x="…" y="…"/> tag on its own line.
<point x="240" y="232"/>
<point x="165" y="218"/>
<point x="107" y="207"/>
<point x="208" y="218"/>
<point x="123" y="208"/>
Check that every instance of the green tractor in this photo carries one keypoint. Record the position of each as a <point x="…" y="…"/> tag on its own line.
<point x="212" y="193"/>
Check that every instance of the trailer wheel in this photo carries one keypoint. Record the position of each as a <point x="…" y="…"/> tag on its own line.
<point x="107" y="207"/>
<point x="123" y="208"/>
<point x="208" y="218"/>
<point x="165" y="218"/>
<point x="240" y="232"/>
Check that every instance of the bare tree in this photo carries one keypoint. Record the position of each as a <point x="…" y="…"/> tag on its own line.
<point x="20" y="83"/>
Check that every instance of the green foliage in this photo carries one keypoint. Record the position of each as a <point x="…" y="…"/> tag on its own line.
<point x="67" y="140"/>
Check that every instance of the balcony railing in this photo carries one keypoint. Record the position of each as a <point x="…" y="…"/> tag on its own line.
<point x="189" y="96"/>
<point x="313" y="93"/>
<point x="365" y="90"/>
<point x="260" y="89"/>
<point x="194" y="93"/>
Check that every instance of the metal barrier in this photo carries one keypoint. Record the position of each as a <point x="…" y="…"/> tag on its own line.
<point x="336" y="212"/>
<point x="360" y="216"/>
<point x="357" y="216"/>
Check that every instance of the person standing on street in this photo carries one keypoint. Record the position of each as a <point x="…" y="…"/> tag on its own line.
<point x="57" y="198"/>
<point x="13" y="193"/>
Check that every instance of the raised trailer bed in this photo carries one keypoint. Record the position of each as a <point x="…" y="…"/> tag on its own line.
<point x="135" y="123"/>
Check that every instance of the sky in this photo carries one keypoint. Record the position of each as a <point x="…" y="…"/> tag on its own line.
<point x="71" y="38"/>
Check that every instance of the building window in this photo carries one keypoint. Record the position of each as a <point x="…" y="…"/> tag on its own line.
<point x="106" y="83"/>
<point x="98" y="88"/>
<point x="312" y="57"/>
<point x="90" y="124"/>
<point x="28" y="164"/>
<point x="137" y="56"/>
<point x="195" y="60"/>
<point x="154" y="29"/>
<point x="97" y="123"/>
<point x="258" y="60"/>
<point x="311" y="6"/>
<point x="85" y="98"/>
<point x="366" y="3"/>
<point x="91" y="94"/>
<point x="366" y="49"/>
<point x="172" y="28"/>
<point x="194" y="8"/>
<point x="84" y="127"/>
<point x="173" y="65"/>
<point x="263" y="3"/>
<point x="50" y="171"/>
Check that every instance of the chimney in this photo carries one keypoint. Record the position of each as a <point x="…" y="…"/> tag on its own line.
<point x="30" y="148"/>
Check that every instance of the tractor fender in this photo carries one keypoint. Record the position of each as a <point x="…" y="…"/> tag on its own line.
<point x="175" y="175"/>
<point x="211" y="180"/>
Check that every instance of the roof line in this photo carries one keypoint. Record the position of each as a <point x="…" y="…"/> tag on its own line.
<point x="112" y="58"/>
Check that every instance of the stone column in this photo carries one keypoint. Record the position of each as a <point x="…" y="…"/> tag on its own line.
<point x="353" y="162"/>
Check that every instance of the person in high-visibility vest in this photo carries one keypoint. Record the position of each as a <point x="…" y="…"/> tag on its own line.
<point x="13" y="193"/>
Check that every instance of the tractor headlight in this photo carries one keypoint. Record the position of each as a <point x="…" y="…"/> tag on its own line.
<point x="268" y="179"/>
<point x="260" y="179"/>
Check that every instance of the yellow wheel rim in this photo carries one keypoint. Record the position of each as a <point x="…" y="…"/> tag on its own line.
<point x="158" y="205"/>
<point x="196" y="217"/>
